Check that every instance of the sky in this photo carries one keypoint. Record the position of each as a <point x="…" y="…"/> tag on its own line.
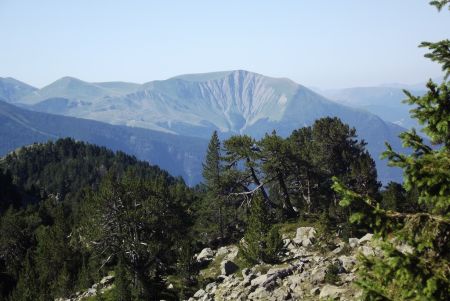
<point x="323" y="44"/>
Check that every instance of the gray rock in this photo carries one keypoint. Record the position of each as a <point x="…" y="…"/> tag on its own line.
<point x="331" y="292"/>
<point x="200" y="293"/>
<point x="367" y="251"/>
<point x="339" y="248"/>
<point x="305" y="236"/>
<point x="206" y="255"/>
<point x="347" y="262"/>
<point x="274" y="270"/>
<point x="222" y="251"/>
<point x="366" y="238"/>
<point x="353" y="242"/>
<point x="348" y="277"/>
<point x="259" y="280"/>
<point x="318" y="275"/>
<point x="259" y="294"/>
<point x="107" y="280"/>
<point x="211" y="287"/>
<point x="228" y="267"/>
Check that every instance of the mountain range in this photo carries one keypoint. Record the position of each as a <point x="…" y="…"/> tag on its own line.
<point x="192" y="106"/>
<point x="179" y="155"/>
<point x="384" y="101"/>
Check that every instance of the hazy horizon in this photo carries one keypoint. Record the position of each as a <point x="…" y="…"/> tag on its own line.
<point x="333" y="45"/>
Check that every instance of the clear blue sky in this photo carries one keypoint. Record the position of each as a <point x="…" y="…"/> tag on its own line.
<point x="327" y="44"/>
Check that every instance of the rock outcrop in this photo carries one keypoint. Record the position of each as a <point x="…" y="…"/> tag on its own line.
<point x="105" y="284"/>
<point x="302" y="274"/>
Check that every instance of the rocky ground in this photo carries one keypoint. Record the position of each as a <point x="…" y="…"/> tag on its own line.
<point x="309" y="270"/>
<point x="103" y="286"/>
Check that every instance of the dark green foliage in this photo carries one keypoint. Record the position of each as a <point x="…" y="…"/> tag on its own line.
<point x="332" y="273"/>
<point x="274" y="244"/>
<point x="48" y="184"/>
<point x="212" y="168"/>
<point x="440" y="4"/>
<point x="63" y="168"/>
<point x="262" y="243"/>
<point x="10" y="194"/>
<point x="396" y="198"/>
<point x="186" y="265"/>
<point x="122" y="283"/>
<point x="137" y="220"/>
<point x="215" y="214"/>
<point x="294" y="174"/>
<point x="27" y="288"/>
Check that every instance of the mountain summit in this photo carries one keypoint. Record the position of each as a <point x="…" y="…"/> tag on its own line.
<point x="231" y="102"/>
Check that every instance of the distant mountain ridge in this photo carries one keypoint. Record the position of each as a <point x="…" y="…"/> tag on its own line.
<point x="232" y="102"/>
<point x="12" y="90"/>
<point x="384" y="101"/>
<point x="179" y="155"/>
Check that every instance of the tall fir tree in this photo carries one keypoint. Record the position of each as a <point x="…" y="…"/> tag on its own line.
<point x="216" y="214"/>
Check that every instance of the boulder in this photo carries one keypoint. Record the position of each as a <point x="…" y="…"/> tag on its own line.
<point x="259" y="294"/>
<point x="211" y="287"/>
<point x="367" y="251"/>
<point x="340" y="246"/>
<point x="353" y="242"/>
<point x="206" y="255"/>
<point x="200" y="293"/>
<point x="305" y="236"/>
<point x="222" y="251"/>
<point x="228" y="267"/>
<point x="274" y="270"/>
<point x="347" y="262"/>
<point x="366" y="238"/>
<point x="258" y="281"/>
<point x="318" y="275"/>
<point x="330" y="292"/>
<point x="107" y="280"/>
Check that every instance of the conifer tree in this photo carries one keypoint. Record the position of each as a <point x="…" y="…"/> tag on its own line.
<point x="212" y="167"/>
<point x="27" y="288"/>
<point x="420" y="272"/>
<point x="212" y="174"/>
<point x="261" y="242"/>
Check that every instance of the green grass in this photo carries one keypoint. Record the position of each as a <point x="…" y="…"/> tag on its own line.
<point x="212" y="271"/>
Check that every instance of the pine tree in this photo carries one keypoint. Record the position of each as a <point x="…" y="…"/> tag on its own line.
<point x="211" y="167"/>
<point x="214" y="216"/>
<point x="422" y="273"/>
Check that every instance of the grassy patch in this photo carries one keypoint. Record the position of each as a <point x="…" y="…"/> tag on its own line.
<point x="212" y="271"/>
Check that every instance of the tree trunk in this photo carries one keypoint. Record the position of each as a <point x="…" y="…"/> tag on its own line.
<point x="290" y="212"/>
